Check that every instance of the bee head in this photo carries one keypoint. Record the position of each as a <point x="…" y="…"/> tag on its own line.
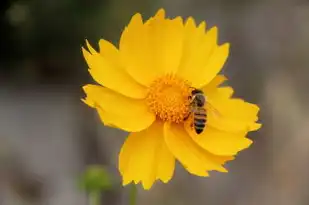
<point x="198" y="97"/>
<point x="196" y="91"/>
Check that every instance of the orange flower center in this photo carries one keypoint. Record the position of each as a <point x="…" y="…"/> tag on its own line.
<point x="168" y="98"/>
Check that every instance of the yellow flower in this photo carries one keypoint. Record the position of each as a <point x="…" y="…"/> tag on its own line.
<point x="148" y="82"/>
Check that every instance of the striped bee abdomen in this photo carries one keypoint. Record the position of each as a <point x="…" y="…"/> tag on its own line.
<point x="199" y="120"/>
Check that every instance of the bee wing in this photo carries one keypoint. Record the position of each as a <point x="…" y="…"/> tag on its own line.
<point x="209" y="107"/>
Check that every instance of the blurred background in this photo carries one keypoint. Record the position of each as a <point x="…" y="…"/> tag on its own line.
<point x="48" y="136"/>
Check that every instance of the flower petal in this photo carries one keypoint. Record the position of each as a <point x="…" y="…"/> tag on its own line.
<point x="214" y="65"/>
<point x="126" y="113"/>
<point x="144" y="157"/>
<point x="105" y="68"/>
<point x="159" y="15"/>
<point x="193" y="55"/>
<point x="225" y="92"/>
<point x="232" y="114"/>
<point x="102" y="114"/>
<point x="220" y="143"/>
<point x="109" y="51"/>
<point x="214" y="83"/>
<point x="195" y="159"/>
<point x="166" y="42"/>
<point x="152" y="49"/>
<point x="226" y="113"/>
<point x="201" y="52"/>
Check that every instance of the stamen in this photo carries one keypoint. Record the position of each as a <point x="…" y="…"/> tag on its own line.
<point x="168" y="97"/>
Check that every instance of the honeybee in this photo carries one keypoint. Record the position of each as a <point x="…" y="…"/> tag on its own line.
<point x="199" y="106"/>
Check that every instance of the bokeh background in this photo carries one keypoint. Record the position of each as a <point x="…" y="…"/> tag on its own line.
<point x="48" y="137"/>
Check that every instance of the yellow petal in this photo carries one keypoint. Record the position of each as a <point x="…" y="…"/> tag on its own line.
<point x="214" y="65"/>
<point x="152" y="49"/>
<point x="144" y="157"/>
<point x="102" y="114"/>
<point x="255" y="126"/>
<point x="245" y="111"/>
<point x="225" y="92"/>
<point x="166" y="41"/>
<point x="202" y="53"/>
<point x="232" y="115"/>
<point x="195" y="159"/>
<point x="105" y="68"/>
<point x="159" y="15"/>
<point x="91" y="49"/>
<point x="193" y="55"/>
<point x="109" y="51"/>
<point x="210" y="44"/>
<point x="214" y="83"/>
<point x="166" y="163"/>
<point x="220" y="143"/>
<point x="126" y="113"/>
<point x="121" y="122"/>
<point x="226" y="113"/>
<point x="202" y="27"/>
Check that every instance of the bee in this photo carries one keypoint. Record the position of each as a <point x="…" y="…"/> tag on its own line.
<point x="197" y="108"/>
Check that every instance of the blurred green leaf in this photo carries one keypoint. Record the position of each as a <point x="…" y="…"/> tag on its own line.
<point x="95" y="179"/>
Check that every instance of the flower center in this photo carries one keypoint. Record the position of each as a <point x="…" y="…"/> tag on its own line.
<point x="168" y="98"/>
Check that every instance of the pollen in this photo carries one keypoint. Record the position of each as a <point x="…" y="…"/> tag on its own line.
<point x="168" y="98"/>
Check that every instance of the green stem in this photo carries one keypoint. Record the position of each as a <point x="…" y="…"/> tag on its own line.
<point x="94" y="198"/>
<point x="133" y="193"/>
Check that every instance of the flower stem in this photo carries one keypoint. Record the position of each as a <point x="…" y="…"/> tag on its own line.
<point x="133" y="194"/>
<point x="94" y="198"/>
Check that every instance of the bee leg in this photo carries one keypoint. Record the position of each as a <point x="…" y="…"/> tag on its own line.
<point x="184" y="119"/>
<point x="190" y="99"/>
<point x="192" y="126"/>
